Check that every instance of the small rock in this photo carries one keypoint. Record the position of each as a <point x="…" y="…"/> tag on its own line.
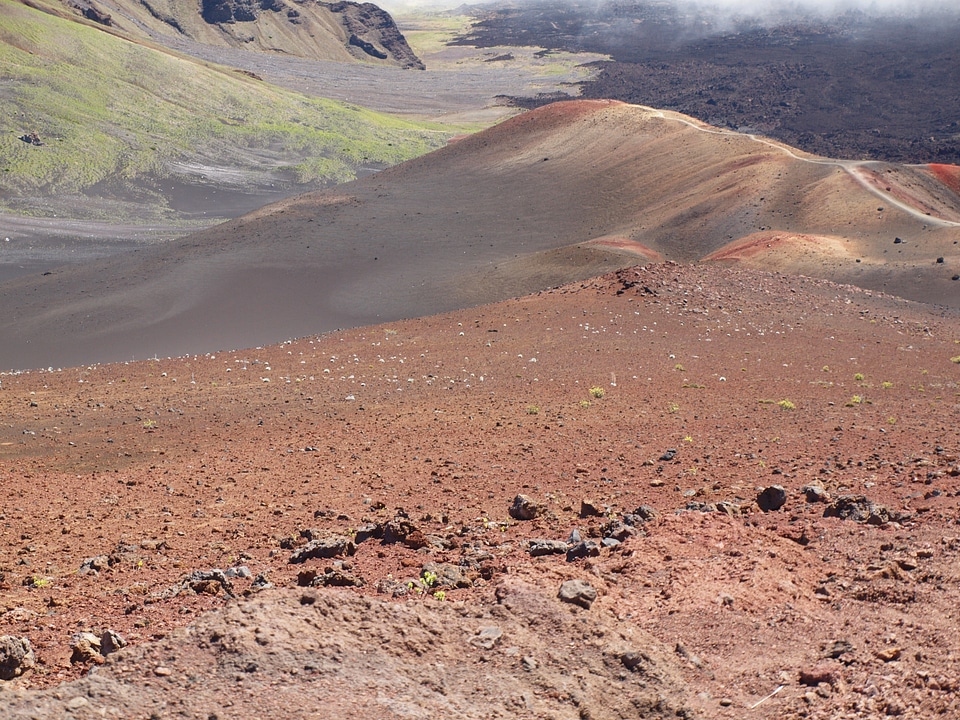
<point x="161" y="671"/>
<point x="771" y="498"/>
<point x="889" y="654"/>
<point x="524" y="508"/>
<point x="447" y="575"/>
<point x="260" y="582"/>
<point x="837" y="648"/>
<point x="529" y="663"/>
<point x="336" y="577"/>
<point x="587" y="548"/>
<point x="394" y="588"/>
<point x="577" y="592"/>
<point x="241" y="571"/>
<point x="815" y="493"/>
<point x="397" y="530"/>
<point x="86" y="648"/>
<point x="366" y="532"/>
<point x="860" y="509"/>
<point x="728" y="508"/>
<point x="590" y="508"/>
<point x="75" y="703"/>
<point x="538" y="548"/>
<point x="642" y="514"/>
<point x="574" y="537"/>
<point x="110" y="642"/>
<point x="822" y="673"/>
<point x="94" y="565"/>
<point x="668" y="455"/>
<point x="16" y="656"/>
<point x="322" y="548"/>
<point x="487" y="637"/>
<point x="208" y="582"/>
<point x="618" y="530"/>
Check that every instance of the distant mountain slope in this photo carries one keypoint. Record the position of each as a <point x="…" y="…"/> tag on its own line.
<point x="555" y="195"/>
<point x="87" y="111"/>
<point x="346" y="31"/>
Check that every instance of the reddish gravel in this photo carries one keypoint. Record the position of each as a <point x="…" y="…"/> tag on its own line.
<point x="752" y="379"/>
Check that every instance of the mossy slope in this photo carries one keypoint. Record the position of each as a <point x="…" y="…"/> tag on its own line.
<point x="113" y="111"/>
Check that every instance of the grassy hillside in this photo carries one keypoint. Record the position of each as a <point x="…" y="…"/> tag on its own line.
<point x="110" y="111"/>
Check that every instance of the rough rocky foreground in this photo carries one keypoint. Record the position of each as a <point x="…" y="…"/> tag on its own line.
<point x="690" y="489"/>
<point x="310" y="654"/>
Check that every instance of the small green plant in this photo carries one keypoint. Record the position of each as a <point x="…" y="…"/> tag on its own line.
<point x="787" y="405"/>
<point x="597" y="392"/>
<point x="440" y="595"/>
<point x="854" y="401"/>
<point x="429" y="578"/>
<point x="149" y="424"/>
<point x="673" y="407"/>
<point x="679" y="367"/>
<point x="891" y="420"/>
<point x="38" y="581"/>
<point x="585" y="403"/>
<point x="858" y="377"/>
<point x="955" y="359"/>
<point x="533" y="409"/>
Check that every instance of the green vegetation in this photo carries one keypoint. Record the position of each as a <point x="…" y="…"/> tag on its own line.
<point x="111" y="110"/>
<point x="597" y="392"/>
<point x="787" y="405"/>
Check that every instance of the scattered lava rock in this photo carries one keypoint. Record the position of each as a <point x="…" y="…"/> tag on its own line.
<point x="524" y="508"/>
<point x="860" y="509"/>
<point x="538" y="548"/>
<point x="771" y="498"/>
<point x="323" y="548"/>
<point x="16" y="656"/>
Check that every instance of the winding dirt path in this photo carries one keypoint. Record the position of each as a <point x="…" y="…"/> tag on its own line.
<point x="852" y="167"/>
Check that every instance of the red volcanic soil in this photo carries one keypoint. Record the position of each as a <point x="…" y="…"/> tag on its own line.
<point x="626" y="245"/>
<point x="949" y="175"/>
<point x="645" y="409"/>
<point x="761" y="244"/>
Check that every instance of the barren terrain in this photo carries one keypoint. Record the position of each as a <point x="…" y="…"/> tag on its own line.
<point x="644" y="410"/>
<point x="854" y="84"/>
<point x="531" y="203"/>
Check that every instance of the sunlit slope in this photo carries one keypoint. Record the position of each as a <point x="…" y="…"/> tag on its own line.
<point x="109" y="110"/>
<point x="552" y="196"/>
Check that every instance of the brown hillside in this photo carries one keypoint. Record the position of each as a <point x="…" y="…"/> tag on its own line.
<point x="501" y="213"/>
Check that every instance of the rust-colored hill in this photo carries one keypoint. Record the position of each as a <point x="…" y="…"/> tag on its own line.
<point x="555" y="195"/>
